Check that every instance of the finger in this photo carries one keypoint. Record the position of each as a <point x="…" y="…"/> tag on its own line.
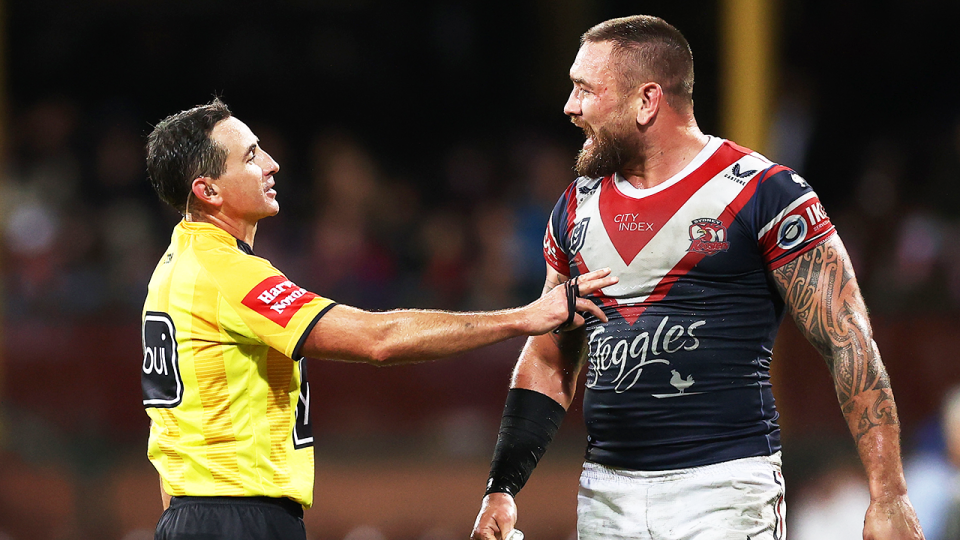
<point x="589" y="286"/>
<point x="586" y="305"/>
<point x="485" y="532"/>
<point x="596" y="274"/>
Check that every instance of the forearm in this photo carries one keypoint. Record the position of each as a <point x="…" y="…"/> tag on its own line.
<point x="821" y="292"/>
<point x="407" y="336"/>
<point x="550" y="364"/>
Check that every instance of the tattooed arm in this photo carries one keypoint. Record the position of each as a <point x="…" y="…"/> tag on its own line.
<point x="821" y="292"/>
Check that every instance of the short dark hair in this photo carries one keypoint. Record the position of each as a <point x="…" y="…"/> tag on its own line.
<point x="649" y="49"/>
<point x="179" y="150"/>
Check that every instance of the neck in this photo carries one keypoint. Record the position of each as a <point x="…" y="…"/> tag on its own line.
<point x="667" y="149"/>
<point x="239" y="229"/>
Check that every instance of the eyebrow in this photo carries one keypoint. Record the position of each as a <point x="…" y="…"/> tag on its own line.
<point x="251" y="148"/>
<point x="581" y="82"/>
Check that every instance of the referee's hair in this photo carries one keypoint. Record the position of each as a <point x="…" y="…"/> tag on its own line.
<point x="648" y="49"/>
<point x="179" y="150"/>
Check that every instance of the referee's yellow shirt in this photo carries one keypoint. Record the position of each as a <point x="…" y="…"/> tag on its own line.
<point x="223" y="382"/>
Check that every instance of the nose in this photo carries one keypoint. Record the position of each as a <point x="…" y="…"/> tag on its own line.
<point x="572" y="107"/>
<point x="270" y="166"/>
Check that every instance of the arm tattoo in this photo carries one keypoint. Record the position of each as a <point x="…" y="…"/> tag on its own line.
<point x="821" y="292"/>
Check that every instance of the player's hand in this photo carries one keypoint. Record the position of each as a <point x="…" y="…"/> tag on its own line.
<point x="891" y="519"/>
<point x="553" y="309"/>
<point x="497" y="517"/>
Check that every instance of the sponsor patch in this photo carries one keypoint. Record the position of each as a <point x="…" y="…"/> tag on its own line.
<point x="708" y="236"/>
<point x="278" y="299"/>
<point x="792" y="231"/>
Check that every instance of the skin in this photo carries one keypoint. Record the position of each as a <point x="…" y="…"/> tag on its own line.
<point x="819" y="288"/>
<point x="244" y="194"/>
<point x="821" y="292"/>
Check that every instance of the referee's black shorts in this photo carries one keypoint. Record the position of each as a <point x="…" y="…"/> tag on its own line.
<point x="231" y="518"/>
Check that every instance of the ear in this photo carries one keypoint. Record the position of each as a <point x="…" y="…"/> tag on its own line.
<point x="204" y="190"/>
<point x="649" y="97"/>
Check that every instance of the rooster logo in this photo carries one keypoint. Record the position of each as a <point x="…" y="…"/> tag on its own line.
<point x="679" y="382"/>
<point x="708" y="236"/>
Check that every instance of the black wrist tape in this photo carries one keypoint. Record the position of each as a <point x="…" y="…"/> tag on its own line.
<point x="572" y="288"/>
<point x="530" y="420"/>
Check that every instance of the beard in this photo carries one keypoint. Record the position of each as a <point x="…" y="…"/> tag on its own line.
<point x="608" y="154"/>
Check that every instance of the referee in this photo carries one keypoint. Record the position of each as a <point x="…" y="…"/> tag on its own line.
<point x="225" y="335"/>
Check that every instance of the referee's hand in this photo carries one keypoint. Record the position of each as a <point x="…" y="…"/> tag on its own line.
<point x="555" y="307"/>
<point x="496" y="519"/>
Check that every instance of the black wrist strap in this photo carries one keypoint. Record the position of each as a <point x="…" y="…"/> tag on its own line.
<point x="572" y="288"/>
<point x="530" y="420"/>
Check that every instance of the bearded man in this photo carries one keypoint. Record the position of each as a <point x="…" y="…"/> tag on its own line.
<point x="712" y="243"/>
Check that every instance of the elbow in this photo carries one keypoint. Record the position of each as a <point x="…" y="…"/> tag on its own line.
<point x="381" y="354"/>
<point x="383" y="349"/>
<point x="383" y="341"/>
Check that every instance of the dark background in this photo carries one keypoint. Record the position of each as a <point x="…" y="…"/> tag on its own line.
<point x="422" y="147"/>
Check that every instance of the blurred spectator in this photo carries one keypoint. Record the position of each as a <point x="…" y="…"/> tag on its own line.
<point x="950" y="515"/>
<point x="345" y="261"/>
<point x="832" y="506"/>
<point x="443" y="282"/>
<point x="493" y="276"/>
<point x="545" y="170"/>
<point x="792" y="123"/>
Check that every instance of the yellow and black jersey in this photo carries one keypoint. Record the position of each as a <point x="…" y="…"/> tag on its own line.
<point x="223" y="381"/>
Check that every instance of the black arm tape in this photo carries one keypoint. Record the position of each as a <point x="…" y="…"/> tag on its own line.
<point x="572" y="288"/>
<point x="530" y="420"/>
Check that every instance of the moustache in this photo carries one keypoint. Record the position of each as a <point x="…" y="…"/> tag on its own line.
<point x="587" y="130"/>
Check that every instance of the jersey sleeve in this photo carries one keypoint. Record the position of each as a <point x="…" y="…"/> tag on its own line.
<point x="555" y="250"/>
<point x="790" y="218"/>
<point x="273" y="309"/>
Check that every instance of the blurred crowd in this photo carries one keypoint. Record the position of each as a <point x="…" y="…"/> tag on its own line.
<point x="457" y="227"/>
<point x="83" y="230"/>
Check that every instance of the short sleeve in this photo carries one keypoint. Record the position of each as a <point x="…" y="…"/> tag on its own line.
<point x="790" y="218"/>
<point x="554" y="239"/>
<point x="275" y="310"/>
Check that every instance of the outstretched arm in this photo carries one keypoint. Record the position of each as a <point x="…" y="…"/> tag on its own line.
<point x="821" y="292"/>
<point x="408" y="336"/>
<point x="543" y="386"/>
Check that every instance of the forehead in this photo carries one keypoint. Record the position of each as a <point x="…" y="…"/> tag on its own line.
<point x="593" y="63"/>
<point x="233" y="135"/>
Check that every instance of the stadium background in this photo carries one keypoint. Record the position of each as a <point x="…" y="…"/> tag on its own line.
<point x="422" y="146"/>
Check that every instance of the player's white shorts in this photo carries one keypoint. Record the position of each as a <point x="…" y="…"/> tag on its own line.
<point x="737" y="500"/>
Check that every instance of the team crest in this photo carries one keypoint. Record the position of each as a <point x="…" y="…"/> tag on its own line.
<point x="708" y="236"/>
<point x="578" y="235"/>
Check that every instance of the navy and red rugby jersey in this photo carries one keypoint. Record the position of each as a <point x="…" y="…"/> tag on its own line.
<point x="680" y="375"/>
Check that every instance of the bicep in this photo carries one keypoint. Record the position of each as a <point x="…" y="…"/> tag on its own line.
<point x="343" y="333"/>
<point x="821" y="293"/>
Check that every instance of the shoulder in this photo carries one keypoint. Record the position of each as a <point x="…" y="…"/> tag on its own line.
<point x="577" y="192"/>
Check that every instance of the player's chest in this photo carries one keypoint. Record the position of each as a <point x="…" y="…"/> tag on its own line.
<point x="671" y="232"/>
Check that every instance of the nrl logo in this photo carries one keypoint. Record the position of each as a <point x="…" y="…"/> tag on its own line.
<point x="708" y="236"/>
<point x="578" y="236"/>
